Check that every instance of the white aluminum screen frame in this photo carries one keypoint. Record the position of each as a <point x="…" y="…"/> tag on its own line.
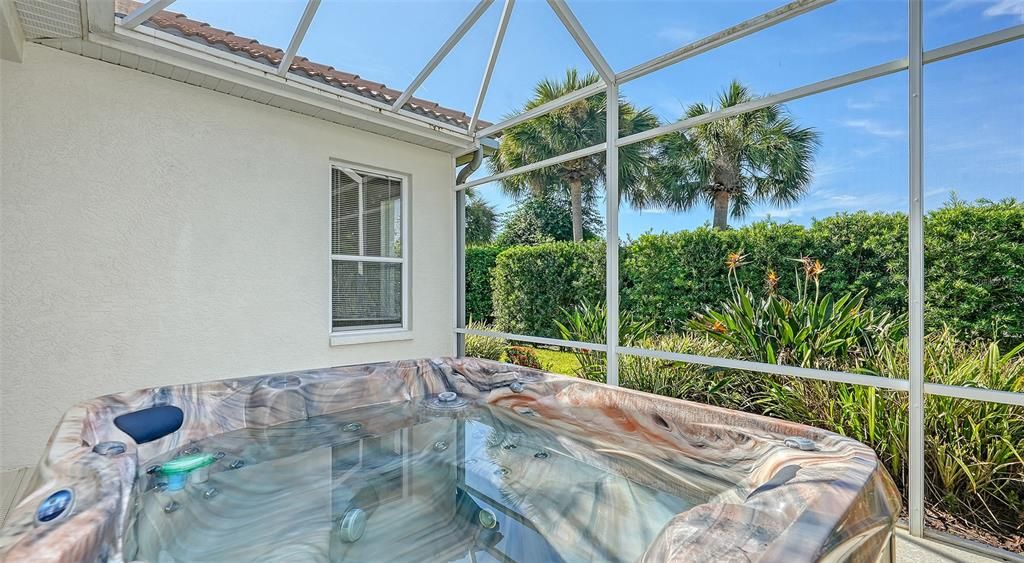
<point x="914" y="385"/>
<point x="405" y="187"/>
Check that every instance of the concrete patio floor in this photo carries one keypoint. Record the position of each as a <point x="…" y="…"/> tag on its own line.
<point x="925" y="550"/>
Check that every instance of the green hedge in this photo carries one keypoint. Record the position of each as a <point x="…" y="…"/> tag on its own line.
<point x="864" y="251"/>
<point x="974" y="268"/>
<point x="532" y="284"/>
<point x="480" y="262"/>
<point x="669" y="277"/>
<point x="974" y="255"/>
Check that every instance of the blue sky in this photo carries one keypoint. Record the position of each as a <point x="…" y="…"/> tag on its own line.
<point x="974" y="105"/>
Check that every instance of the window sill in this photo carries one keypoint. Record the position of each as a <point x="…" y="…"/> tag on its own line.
<point x="369" y="336"/>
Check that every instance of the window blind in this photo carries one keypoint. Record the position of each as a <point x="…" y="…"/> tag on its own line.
<point x="366" y="250"/>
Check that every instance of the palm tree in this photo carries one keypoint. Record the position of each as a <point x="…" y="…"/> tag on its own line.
<point x="576" y="126"/>
<point x="734" y="163"/>
<point x="481" y="219"/>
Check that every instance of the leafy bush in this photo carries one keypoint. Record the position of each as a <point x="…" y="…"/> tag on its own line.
<point x="486" y="347"/>
<point x="532" y="283"/>
<point x="669" y="277"/>
<point x="812" y="330"/>
<point x="523" y="356"/>
<point x="974" y="268"/>
<point x="680" y="380"/>
<point x="588" y="323"/>
<point x="974" y="258"/>
<point x="480" y="262"/>
<point x="974" y="279"/>
<point x="974" y="450"/>
<point x="864" y="251"/>
<point x="546" y="218"/>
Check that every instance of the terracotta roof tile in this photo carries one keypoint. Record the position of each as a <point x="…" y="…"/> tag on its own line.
<point x="180" y="24"/>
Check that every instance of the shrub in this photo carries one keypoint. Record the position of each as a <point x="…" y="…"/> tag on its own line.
<point x="974" y="282"/>
<point x="486" y="347"/>
<point x="680" y="380"/>
<point x="588" y="323"/>
<point x="974" y="268"/>
<point x="523" y="356"/>
<point x="813" y="330"/>
<point x="974" y="451"/>
<point x="532" y="283"/>
<point x="669" y="277"/>
<point x="481" y="219"/>
<point x="546" y="218"/>
<point x="864" y="251"/>
<point x="480" y="262"/>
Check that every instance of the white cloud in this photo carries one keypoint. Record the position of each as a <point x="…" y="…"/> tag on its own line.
<point x="860" y="105"/>
<point x="961" y="144"/>
<point x="824" y="168"/>
<point x="938" y="191"/>
<point x="996" y="8"/>
<point x="872" y="127"/>
<point x="950" y="7"/>
<point x="826" y="201"/>
<point x="676" y="34"/>
<point x="864" y="152"/>
<point x="1013" y="8"/>
<point x="873" y="99"/>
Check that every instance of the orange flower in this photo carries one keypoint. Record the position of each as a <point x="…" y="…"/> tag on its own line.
<point x="812" y="268"/>
<point x="816" y="270"/>
<point x="735" y="260"/>
<point x="772" y="281"/>
<point x="718" y="328"/>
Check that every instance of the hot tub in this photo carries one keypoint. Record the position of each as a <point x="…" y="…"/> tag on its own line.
<point x="444" y="460"/>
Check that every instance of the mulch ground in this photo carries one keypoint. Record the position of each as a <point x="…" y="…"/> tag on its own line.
<point x="1010" y="539"/>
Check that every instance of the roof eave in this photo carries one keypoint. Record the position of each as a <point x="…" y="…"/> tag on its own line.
<point x="361" y="112"/>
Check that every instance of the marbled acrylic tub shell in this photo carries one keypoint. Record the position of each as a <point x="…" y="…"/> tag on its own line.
<point x="772" y="502"/>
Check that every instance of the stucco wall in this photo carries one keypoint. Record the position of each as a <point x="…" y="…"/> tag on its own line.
<point x="153" y="232"/>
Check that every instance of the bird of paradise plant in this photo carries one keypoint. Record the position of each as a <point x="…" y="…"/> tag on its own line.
<point x="807" y="331"/>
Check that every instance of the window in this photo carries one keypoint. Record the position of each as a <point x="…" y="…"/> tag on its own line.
<point x="368" y="289"/>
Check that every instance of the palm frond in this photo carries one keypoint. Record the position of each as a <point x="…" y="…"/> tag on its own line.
<point x="756" y="157"/>
<point x="575" y="126"/>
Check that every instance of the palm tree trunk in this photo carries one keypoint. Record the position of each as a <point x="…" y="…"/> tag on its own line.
<point x="576" y="199"/>
<point x="722" y="210"/>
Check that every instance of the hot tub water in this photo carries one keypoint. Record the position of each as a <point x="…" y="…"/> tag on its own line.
<point x="403" y="483"/>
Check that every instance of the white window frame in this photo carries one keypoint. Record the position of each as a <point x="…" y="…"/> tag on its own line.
<point x="339" y="337"/>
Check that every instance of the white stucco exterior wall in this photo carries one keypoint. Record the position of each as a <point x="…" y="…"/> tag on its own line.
<point x="152" y="232"/>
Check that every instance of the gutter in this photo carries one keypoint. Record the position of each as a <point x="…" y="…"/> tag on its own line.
<point x="486" y="146"/>
<point x="471" y="166"/>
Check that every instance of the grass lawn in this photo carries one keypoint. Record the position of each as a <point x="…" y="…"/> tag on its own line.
<point x="557" y="361"/>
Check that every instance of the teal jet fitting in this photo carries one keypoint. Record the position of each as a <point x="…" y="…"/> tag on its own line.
<point x="177" y="469"/>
